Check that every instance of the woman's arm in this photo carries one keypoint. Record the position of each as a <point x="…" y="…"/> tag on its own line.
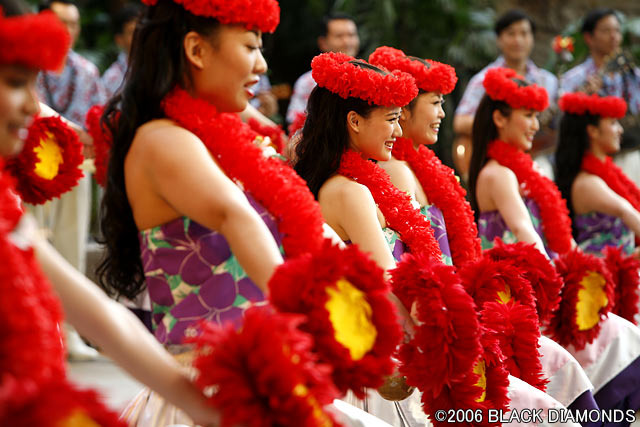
<point x="590" y="193"/>
<point x="121" y="335"/>
<point x="181" y="171"/>
<point x="502" y="185"/>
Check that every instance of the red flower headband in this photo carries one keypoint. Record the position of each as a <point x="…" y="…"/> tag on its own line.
<point x="500" y="85"/>
<point x="259" y="14"/>
<point x="430" y="76"/>
<point x="38" y="41"/>
<point x="605" y="106"/>
<point x="339" y="74"/>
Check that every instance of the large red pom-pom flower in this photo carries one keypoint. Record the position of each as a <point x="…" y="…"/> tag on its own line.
<point x="38" y="41"/>
<point x="102" y="142"/>
<point x="339" y="74"/>
<point x="59" y="403"/>
<point x="500" y="85"/>
<point x="265" y="374"/>
<point x="253" y="14"/>
<point x="625" y="272"/>
<point x="446" y="343"/>
<point x="587" y="297"/>
<point x="431" y="76"/>
<point x="516" y="327"/>
<point x="345" y="298"/>
<point x="274" y="133"/>
<point x="48" y="165"/>
<point x="486" y="390"/>
<point x="537" y="269"/>
<point x="580" y="103"/>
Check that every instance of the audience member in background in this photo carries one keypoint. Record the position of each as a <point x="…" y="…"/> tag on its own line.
<point x="340" y="34"/>
<point x="70" y="93"/>
<point x="608" y="73"/>
<point x="515" y="31"/>
<point x="265" y="101"/>
<point x="124" y="24"/>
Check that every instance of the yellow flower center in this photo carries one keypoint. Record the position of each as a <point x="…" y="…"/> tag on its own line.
<point x="504" y="296"/>
<point x="350" y="315"/>
<point x="301" y="390"/>
<point x="78" y="418"/>
<point x="50" y="156"/>
<point x="480" y="369"/>
<point x="591" y="298"/>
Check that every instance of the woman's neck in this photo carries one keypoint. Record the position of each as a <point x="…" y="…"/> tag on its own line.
<point x="600" y="154"/>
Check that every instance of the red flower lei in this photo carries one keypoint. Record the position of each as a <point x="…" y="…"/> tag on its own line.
<point x="443" y="190"/>
<point x="32" y="186"/>
<point x="270" y="181"/>
<point x="261" y="14"/>
<point x="336" y="72"/>
<point x="500" y="85"/>
<point x="414" y="228"/>
<point x="38" y="41"/>
<point x="614" y="177"/>
<point x="102" y="142"/>
<point x="604" y="106"/>
<point x="556" y="223"/>
<point x="431" y="76"/>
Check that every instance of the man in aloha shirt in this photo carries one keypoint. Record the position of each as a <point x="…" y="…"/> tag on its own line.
<point x="340" y="35"/>
<point x="515" y="31"/>
<point x="602" y="34"/>
<point x="124" y="24"/>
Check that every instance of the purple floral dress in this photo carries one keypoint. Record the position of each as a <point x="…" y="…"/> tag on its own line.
<point x="597" y="230"/>
<point x="191" y="275"/>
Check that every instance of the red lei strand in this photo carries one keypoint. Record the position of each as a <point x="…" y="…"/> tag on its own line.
<point x="270" y="181"/>
<point x="414" y="228"/>
<point x="556" y="223"/>
<point x="443" y="190"/>
<point x="614" y="177"/>
<point x="31" y="345"/>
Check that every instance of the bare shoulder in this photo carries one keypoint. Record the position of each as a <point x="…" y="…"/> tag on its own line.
<point x="493" y="173"/>
<point x="586" y="182"/>
<point x="164" y="138"/>
<point x="396" y="167"/>
<point x="343" y="191"/>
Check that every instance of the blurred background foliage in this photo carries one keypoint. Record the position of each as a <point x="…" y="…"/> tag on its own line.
<point x="458" y="32"/>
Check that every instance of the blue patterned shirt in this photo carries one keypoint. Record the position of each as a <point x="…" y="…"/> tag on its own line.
<point x="75" y="90"/>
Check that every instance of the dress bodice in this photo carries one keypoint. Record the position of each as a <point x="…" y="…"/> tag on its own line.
<point x="597" y="230"/>
<point x="491" y="225"/>
<point x="191" y="275"/>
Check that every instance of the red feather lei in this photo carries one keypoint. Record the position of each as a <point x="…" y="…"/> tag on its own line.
<point x="614" y="177"/>
<point x="414" y="228"/>
<point x="46" y="132"/>
<point x="443" y="190"/>
<point x="270" y="181"/>
<point x="265" y="373"/>
<point x="556" y="223"/>
<point x="300" y="286"/>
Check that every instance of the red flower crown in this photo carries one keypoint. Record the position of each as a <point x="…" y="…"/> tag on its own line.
<point x="38" y="41"/>
<point x="339" y="74"/>
<point x="500" y="85"/>
<point x="430" y="76"/>
<point x="605" y="106"/>
<point x="263" y="15"/>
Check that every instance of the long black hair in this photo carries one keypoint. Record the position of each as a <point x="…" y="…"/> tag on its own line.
<point x="324" y="136"/>
<point x="484" y="132"/>
<point x="157" y="63"/>
<point x="573" y="143"/>
<point x="14" y="7"/>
